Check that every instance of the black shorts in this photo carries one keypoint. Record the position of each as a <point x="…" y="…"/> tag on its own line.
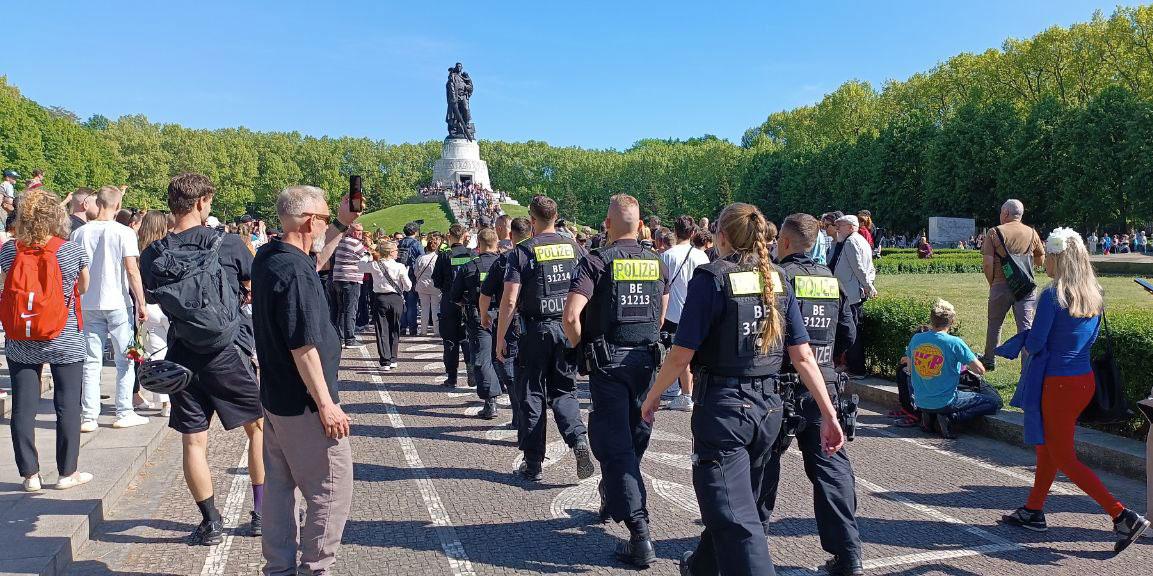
<point x="223" y="384"/>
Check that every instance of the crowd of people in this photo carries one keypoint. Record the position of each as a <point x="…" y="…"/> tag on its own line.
<point x="750" y="325"/>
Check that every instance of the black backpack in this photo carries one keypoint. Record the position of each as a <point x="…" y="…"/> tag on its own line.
<point x="192" y="291"/>
<point x="404" y="252"/>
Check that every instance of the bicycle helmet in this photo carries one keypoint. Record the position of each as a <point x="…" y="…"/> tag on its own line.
<point x="164" y="377"/>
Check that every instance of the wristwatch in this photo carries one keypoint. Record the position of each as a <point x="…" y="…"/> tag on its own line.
<point x="339" y="225"/>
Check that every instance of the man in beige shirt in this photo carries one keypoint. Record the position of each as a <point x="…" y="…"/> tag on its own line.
<point x="1020" y="240"/>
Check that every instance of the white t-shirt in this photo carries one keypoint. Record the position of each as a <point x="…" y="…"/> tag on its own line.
<point x="108" y="243"/>
<point x="680" y="272"/>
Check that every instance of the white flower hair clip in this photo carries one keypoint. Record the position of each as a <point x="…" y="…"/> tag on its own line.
<point x="1060" y="239"/>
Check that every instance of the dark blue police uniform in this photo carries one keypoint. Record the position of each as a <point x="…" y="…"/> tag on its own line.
<point x="493" y="287"/>
<point x="738" y="411"/>
<point x="451" y="319"/>
<point x="546" y="368"/>
<point x="466" y="291"/>
<point x="625" y="284"/>
<point x="834" y="485"/>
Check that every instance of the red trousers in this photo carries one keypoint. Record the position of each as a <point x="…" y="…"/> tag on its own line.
<point x="1062" y="400"/>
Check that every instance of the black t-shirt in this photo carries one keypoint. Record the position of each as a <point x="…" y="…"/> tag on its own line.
<point x="235" y="259"/>
<point x="290" y="311"/>
<point x="76" y="221"/>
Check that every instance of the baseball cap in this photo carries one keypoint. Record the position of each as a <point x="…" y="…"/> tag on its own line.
<point x="246" y="219"/>
<point x="850" y="219"/>
<point x="11" y="174"/>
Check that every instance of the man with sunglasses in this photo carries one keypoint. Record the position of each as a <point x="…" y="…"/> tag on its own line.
<point x="306" y="431"/>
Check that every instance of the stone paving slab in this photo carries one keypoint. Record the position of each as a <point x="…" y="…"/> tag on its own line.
<point x="434" y="494"/>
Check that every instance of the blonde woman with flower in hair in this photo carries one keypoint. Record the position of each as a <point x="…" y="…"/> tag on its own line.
<point x="1067" y="322"/>
<point x="738" y="322"/>
<point x="41" y="223"/>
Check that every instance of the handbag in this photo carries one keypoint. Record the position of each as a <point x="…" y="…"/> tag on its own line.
<point x="1109" y="404"/>
<point x="1018" y="270"/>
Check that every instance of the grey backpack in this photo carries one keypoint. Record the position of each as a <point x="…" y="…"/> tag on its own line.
<point x="192" y="291"/>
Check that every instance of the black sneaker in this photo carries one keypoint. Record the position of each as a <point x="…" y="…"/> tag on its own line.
<point x="584" y="458"/>
<point x="1130" y="525"/>
<point x="639" y="553"/>
<point x="208" y="533"/>
<point x="990" y="364"/>
<point x="489" y="410"/>
<point x="844" y="566"/>
<point x="945" y="424"/>
<point x="1028" y="519"/>
<point x="530" y="471"/>
<point x="449" y="384"/>
<point x="687" y="563"/>
<point x="256" y="526"/>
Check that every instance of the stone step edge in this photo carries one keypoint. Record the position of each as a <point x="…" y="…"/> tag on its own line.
<point x="1098" y="450"/>
<point x="58" y="563"/>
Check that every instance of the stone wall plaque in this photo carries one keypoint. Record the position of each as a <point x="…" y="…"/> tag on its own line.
<point x="949" y="231"/>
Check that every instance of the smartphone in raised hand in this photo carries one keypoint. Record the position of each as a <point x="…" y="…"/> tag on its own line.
<point x="355" y="194"/>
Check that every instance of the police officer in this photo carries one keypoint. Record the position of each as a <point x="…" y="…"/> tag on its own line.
<point x="622" y="291"/>
<point x="491" y="290"/>
<point x="834" y="487"/>
<point x="451" y="321"/>
<point x="466" y="291"/>
<point x="537" y="282"/>
<point x="739" y="320"/>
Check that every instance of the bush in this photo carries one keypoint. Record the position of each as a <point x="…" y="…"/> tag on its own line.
<point x="943" y="262"/>
<point x="888" y="323"/>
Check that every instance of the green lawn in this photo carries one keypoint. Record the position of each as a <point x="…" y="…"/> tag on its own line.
<point x="969" y="294"/>
<point x="393" y="218"/>
<point x="515" y="210"/>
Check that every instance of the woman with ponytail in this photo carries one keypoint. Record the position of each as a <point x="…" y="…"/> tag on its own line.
<point x="738" y="322"/>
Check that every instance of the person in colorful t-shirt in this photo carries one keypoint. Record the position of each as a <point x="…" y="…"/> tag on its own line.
<point x="935" y="359"/>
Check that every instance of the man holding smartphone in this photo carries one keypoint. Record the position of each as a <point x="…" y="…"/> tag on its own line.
<point x="306" y="430"/>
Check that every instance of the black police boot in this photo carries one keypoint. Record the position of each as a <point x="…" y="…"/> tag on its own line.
<point x="489" y="410"/>
<point x="637" y="551"/>
<point x="603" y="511"/>
<point x="687" y="563"/>
<point x="584" y="457"/>
<point x="844" y="566"/>
<point x="530" y="471"/>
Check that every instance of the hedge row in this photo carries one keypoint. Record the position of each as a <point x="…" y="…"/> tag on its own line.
<point x="889" y="322"/>
<point x="913" y="251"/>
<point x="949" y="263"/>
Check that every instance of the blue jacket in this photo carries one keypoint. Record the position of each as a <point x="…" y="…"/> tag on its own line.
<point x="1027" y="397"/>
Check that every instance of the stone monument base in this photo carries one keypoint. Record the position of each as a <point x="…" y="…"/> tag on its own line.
<point x="460" y="163"/>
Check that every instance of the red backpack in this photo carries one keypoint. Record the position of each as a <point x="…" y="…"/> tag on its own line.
<point x="33" y="306"/>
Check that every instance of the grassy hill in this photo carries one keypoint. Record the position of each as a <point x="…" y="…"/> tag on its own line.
<point x="515" y="210"/>
<point x="393" y="218"/>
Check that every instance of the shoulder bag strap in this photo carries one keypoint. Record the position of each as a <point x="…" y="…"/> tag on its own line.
<point x="682" y="265"/>
<point x="1001" y="238"/>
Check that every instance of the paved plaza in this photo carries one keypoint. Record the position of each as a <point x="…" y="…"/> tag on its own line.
<point x="434" y="494"/>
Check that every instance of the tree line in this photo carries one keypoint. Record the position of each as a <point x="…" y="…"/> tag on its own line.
<point x="1062" y="120"/>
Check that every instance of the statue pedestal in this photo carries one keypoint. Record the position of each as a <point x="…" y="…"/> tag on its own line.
<point x="460" y="163"/>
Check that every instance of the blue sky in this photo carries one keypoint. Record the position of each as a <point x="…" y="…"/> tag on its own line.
<point x="588" y="74"/>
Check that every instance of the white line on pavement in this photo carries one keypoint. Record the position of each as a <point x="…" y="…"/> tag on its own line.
<point x="916" y="558"/>
<point x="934" y="514"/>
<point x="218" y="555"/>
<point x="682" y="461"/>
<point x="1002" y="470"/>
<point x="449" y="542"/>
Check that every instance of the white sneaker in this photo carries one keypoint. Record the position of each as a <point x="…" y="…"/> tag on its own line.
<point x="165" y="409"/>
<point x="392" y="365"/>
<point x="684" y="403"/>
<point x="89" y="426"/>
<point x="74" y="480"/>
<point x="32" y="484"/>
<point x="129" y="420"/>
<point x="387" y="367"/>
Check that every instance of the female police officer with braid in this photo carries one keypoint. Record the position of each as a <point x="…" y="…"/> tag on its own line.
<point x="738" y="321"/>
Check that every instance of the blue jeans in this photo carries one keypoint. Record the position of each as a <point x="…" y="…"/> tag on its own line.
<point x="408" y="320"/>
<point x="99" y="326"/>
<point x="969" y="405"/>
